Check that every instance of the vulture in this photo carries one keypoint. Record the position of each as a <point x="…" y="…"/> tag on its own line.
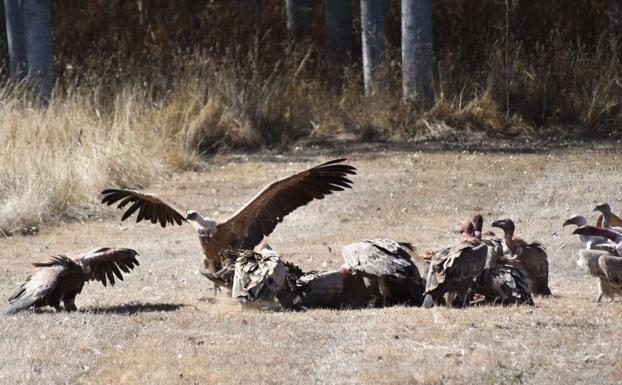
<point x="453" y="269"/>
<point x="606" y="267"/>
<point x="607" y="218"/>
<point x="257" y="281"/>
<point x="590" y="241"/>
<point x="251" y="223"/>
<point x="387" y="269"/>
<point x="531" y="257"/>
<point x="61" y="278"/>
<point x="499" y="282"/>
<point x="258" y="278"/>
<point x="614" y="248"/>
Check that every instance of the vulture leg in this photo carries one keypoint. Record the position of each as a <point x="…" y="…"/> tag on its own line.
<point x="70" y="304"/>
<point x="385" y="291"/>
<point x="428" y="302"/>
<point x="56" y="307"/>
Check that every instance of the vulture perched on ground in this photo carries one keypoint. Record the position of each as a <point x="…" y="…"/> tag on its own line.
<point x="499" y="282"/>
<point x="251" y="223"/>
<point x="387" y="269"/>
<point x="607" y="268"/>
<point x="453" y="269"/>
<point x="607" y="219"/>
<point x="299" y="290"/>
<point x="602" y="264"/>
<point x="614" y="247"/>
<point x="61" y="278"/>
<point x="258" y="278"/>
<point x="531" y="257"/>
<point x="590" y="241"/>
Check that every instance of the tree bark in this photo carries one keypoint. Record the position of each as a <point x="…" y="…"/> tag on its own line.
<point x="16" y="41"/>
<point x="38" y="25"/>
<point x="615" y="12"/>
<point x="299" y="18"/>
<point x="4" y="54"/>
<point x="338" y="31"/>
<point x="417" y="50"/>
<point x="373" y="28"/>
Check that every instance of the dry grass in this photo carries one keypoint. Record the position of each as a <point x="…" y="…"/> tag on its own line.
<point x="152" y="328"/>
<point x="134" y="104"/>
<point x="54" y="159"/>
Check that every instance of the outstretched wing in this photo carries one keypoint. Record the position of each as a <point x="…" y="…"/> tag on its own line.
<point x="106" y="263"/>
<point x="258" y="218"/>
<point x="149" y="206"/>
<point x="36" y="288"/>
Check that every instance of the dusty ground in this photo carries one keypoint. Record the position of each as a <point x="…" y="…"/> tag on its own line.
<point x="152" y="328"/>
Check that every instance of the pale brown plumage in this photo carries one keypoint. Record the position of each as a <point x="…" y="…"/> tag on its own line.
<point x="258" y="276"/>
<point x="251" y="223"/>
<point x="531" y="257"/>
<point x="607" y="218"/>
<point x="453" y="269"/>
<point x="258" y="279"/>
<point x="386" y="265"/>
<point x="607" y="268"/>
<point x="499" y="282"/>
<point x="62" y="278"/>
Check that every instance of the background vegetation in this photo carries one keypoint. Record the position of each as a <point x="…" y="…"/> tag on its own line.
<point x="143" y="87"/>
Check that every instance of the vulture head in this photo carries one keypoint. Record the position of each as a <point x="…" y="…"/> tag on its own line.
<point x="590" y="231"/>
<point x="578" y="220"/>
<point x="604" y="208"/>
<point x="467" y="229"/>
<point x="507" y="225"/>
<point x="205" y="226"/>
<point x="478" y="224"/>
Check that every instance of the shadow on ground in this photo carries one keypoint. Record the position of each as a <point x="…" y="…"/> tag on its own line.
<point x="134" y="308"/>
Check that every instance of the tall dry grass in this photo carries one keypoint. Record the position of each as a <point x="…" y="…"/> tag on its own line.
<point x="133" y="104"/>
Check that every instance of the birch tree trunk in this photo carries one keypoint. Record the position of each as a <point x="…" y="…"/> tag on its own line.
<point x="38" y="25"/>
<point x="338" y="31"/>
<point x="16" y="38"/>
<point x="373" y="29"/>
<point x="417" y="50"/>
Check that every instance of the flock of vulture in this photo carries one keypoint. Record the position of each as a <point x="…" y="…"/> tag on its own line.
<point x="480" y="268"/>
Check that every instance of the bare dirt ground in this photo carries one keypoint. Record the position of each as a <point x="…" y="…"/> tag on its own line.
<point x="153" y="328"/>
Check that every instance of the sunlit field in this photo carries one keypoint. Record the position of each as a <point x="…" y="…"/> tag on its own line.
<point x="158" y="325"/>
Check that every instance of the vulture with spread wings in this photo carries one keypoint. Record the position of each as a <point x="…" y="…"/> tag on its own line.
<point x="250" y="224"/>
<point x="61" y="278"/>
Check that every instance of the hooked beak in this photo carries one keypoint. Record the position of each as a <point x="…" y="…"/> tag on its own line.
<point x="568" y="222"/>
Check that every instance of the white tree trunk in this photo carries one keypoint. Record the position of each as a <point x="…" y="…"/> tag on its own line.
<point x="15" y="34"/>
<point x="338" y="31"/>
<point x="373" y="28"/>
<point x="38" y="25"/>
<point x="417" y="52"/>
<point x="299" y="18"/>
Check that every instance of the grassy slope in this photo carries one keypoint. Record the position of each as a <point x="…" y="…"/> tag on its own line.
<point x="153" y="328"/>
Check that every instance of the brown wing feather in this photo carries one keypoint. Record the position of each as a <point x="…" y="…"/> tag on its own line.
<point x="149" y="206"/>
<point x="106" y="263"/>
<point x="258" y="218"/>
